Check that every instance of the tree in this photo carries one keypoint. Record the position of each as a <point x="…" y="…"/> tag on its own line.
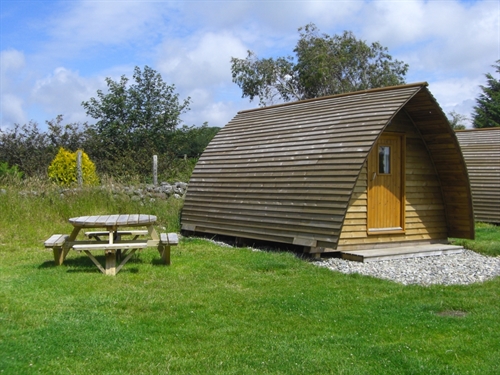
<point x="142" y="115"/>
<point x="325" y="65"/>
<point x="191" y="141"/>
<point x="487" y="111"/>
<point x="457" y="121"/>
<point x="70" y="136"/>
<point x="26" y="148"/>
<point x="31" y="149"/>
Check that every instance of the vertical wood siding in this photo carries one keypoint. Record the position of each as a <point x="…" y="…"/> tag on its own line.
<point x="287" y="173"/>
<point x="425" y="218"/>
<point x="481" y="150"/>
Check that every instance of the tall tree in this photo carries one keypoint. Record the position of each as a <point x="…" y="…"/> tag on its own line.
<point x="487" y="110"/>
<point x="323" y="65"/>
<point x="139" y="115"/>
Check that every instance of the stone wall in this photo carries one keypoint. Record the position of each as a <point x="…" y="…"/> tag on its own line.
<point x="149" y="191"/>
<point x="142" y="192"/>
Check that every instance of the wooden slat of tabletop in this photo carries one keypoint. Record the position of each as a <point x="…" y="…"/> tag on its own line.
<point x="91" y="220"/>
<point x="112" y="220"/>
<point x="78" y="221"/>
<point x="122" y="220"/>
<point x="133" y="219"/>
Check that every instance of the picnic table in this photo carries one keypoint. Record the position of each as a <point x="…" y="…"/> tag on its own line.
<point x="119" y="238"/>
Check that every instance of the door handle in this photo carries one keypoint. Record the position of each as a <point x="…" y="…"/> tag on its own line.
<point x="374" y="175"/>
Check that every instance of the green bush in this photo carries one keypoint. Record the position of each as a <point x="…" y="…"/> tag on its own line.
<point x="63" y="169"/>
<point x="13" y="171"/>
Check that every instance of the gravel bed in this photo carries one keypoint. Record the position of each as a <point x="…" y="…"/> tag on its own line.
<point x="465" y="268"/>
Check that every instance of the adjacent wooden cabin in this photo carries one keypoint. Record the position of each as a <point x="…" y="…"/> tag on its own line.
<point x="363" y="170"/>
<point x="481" y="150"/>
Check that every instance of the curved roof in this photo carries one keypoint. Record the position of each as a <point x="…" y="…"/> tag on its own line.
<point x="286" y="173"/>
<point x="481" y="150"/>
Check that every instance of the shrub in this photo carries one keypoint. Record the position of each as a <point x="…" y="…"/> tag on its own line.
<point x="13" y="171"/>
<point x="63" y="169"/>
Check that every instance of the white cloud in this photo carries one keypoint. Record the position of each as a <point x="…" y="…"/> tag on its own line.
<point x="334" y="17"/>
<point x="456" y="94"/>
<point x="202" y="59"/>
<point x="11" y="108"/>
<point x="453" y="91"/>
<point x="62" y="92"/>
<point x="219" y="113"/>
<point x="10" y="61"/>
<point x="89" y="23"/>
<point x="216" y="113"/>
<point x="397" y="23"/>
<point x="200" y="67"/>
<point x="447" y="36"/>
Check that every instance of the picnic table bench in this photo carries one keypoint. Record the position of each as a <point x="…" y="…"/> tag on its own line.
<point x="115" y="246"/>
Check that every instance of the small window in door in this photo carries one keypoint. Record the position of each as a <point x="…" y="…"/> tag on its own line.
<point x="384" y="160"/>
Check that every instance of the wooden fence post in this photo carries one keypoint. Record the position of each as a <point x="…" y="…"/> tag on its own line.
<point x="79" y="174"/>
<point x="155" y="170"/>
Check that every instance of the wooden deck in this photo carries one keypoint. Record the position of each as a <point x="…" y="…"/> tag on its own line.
<point x="376" y="255"/>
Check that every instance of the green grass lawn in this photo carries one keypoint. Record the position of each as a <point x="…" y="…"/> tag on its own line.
<point x="487" y="240"/>
<point x="220" y="310"/>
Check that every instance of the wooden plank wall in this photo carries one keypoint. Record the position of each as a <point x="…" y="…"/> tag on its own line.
<point x="444" y="150"/>
<point x="481" y="150"/>
<point x="425" y="218"/>
<point x="286" y="173"/>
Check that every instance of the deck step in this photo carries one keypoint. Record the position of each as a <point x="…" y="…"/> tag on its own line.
<point x="376" y="255"/>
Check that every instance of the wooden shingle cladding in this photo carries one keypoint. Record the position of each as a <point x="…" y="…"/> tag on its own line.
<point x="287" y="173"/>
<point x="481" y="150"/>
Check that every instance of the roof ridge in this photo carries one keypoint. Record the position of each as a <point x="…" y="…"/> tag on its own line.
<point x="386" y="88"/>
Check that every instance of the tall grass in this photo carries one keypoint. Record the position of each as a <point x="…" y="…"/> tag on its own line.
<point x="219" y="310"/>
<point x="31" y="210"/>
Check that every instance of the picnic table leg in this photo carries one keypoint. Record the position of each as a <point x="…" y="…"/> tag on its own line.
<point x="110" y="262"/>
<point x="59" y="255"/>
<point x="164" y="251"/>
<point x="118" y="252"/>
<point x="60" y="252"/>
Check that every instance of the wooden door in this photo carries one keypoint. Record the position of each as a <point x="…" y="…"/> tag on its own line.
<point x="386" y="185"/>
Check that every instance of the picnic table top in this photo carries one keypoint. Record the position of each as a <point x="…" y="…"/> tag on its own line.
<point x="112" y="220"/>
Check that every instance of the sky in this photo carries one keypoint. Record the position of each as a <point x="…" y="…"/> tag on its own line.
<point x="56" y="54"/>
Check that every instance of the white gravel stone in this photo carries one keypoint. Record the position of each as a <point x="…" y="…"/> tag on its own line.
<point x="465" y="268"/>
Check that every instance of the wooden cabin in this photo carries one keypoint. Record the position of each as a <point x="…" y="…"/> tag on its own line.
<point x="364" y="170"/>
<point x="481" y="150"/>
